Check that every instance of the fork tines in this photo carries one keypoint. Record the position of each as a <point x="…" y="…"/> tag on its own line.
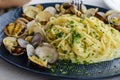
<point x="77" y="3"/>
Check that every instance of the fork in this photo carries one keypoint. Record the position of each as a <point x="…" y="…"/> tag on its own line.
<point x="77" y="3"/>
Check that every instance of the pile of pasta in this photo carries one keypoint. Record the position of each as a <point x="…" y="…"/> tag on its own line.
<point x="82" y="40"/>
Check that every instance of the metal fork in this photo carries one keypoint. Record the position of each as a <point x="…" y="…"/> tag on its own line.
<point x="77" y="3"/>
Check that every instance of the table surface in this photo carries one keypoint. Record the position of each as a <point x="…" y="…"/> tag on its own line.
<point x="10" y="72"/>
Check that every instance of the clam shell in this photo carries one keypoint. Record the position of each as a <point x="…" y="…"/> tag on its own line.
<point x="15" y="29"/>
<point x="101" y="16"/>
<point x="30" y="11"/>
<point x="40" y="7"/>
<point x="46" y="52"/>
<point x="65" y="8"/>
<point x="20" y="20"/>
<point x="12" y="46"/>
<point x="17" y="50"/>
<point x="9" y="42"/>
<point x="90" y="12"/>
<point x="114" y="20"/>
<point x="30" y="27"/>
<point x="23" y="43"/>
<point x="30" y="50"/>
<point x="29" y="39"/>
<point x="40" y="29"/>
<point x="57" y="7"/>
<point x="43" y="16"/>
<point x="110" y="12"/>
<point x="83" y="8"/>
<point x="31" y="23"/>
<point x="37" y="39"/>
<point x="51" y="10"/>
<point x="35" y="59"/>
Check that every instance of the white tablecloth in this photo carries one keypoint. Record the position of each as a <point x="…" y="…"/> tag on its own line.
<point x="10" y="72"/>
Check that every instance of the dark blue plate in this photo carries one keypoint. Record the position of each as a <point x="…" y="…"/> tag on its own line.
<point x="63" y="69"/>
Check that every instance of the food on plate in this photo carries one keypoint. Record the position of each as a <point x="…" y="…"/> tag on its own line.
<point x="42" y="55"/>
<point x="12" y="46"/>
<point x="16" y="29"/>
<point x="83" y="40"/>
<point x="64" y="33"/>
<point x="29" y="12"/>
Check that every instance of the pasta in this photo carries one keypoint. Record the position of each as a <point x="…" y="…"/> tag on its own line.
<point x="83" y="40"/>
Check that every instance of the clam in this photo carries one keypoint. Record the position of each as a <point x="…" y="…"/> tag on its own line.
<point x="57" y="7"/>
<point x="114" y="20"/>
<point x="40" y="7"/>
<point x="12" y="46"/>
<point x="74" y="10"/>
<point x="65" y="8"/>
<point x="46" y="52"/>
<point x="101" y="16"/>
<point x="23" y="43"/>
<point x="29" y="38"/>
<point x="51" y="10"/>
<point x="30" y="12"/>
<point x="40" y="29"/>
<point x="90" y="12"/>
<point x="42" y="55"/>
<point x="31" y="23"/>
<point x="17" y="50"/>
<point x="110" y="12"/>
<point x="30" y="27"/>
<point x="15" y="29"/>
<point x="10" y="42"/>
<point x="34" y="58"/>
<point x="83" y="8"/>
<point x="22" y="20"/>
<point x="37" y="39"/>
<point x="43" y="17"/>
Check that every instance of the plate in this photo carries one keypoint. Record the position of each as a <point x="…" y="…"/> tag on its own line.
<point x="62" y="70"/>
<point x="113" y="4"/>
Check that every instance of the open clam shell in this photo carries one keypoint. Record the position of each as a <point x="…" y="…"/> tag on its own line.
<point x="57" y="7"/>
<point x="9" y="42"/>
<point x="65" y="8"/>
<point x="30" y="11"/>
<point x="37" y="39"/>
<point x="114" y="20"/>
<point x="42" y="55"/>
<point x="46" y="52"/>
<point x="16" y="29"/>
<point x="23" y="43"/>
<point x="43" y="16"/>
<point x="12" y="46"/>
<point x="51" y="10"/>
<point x="91" y="12"/>
<point x="34" y="58"/>
<point x="83" y="8"/>
<point x="101" y="16"/>
<point x="22" y="20"/>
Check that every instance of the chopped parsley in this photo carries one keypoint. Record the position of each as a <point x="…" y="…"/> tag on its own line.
<point x="65" y="51"/>
<point x="86" y="63"/>
<point x="76" y="37"/>
<point x="85" y="26"/>
<point x="81" y="20"/>
<point x="58" y="35"/>
<point x="112" y="31"/>
<point x="71" y="22"/>
<point x="96" y="26"/>
<point x="51" y="26"/>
